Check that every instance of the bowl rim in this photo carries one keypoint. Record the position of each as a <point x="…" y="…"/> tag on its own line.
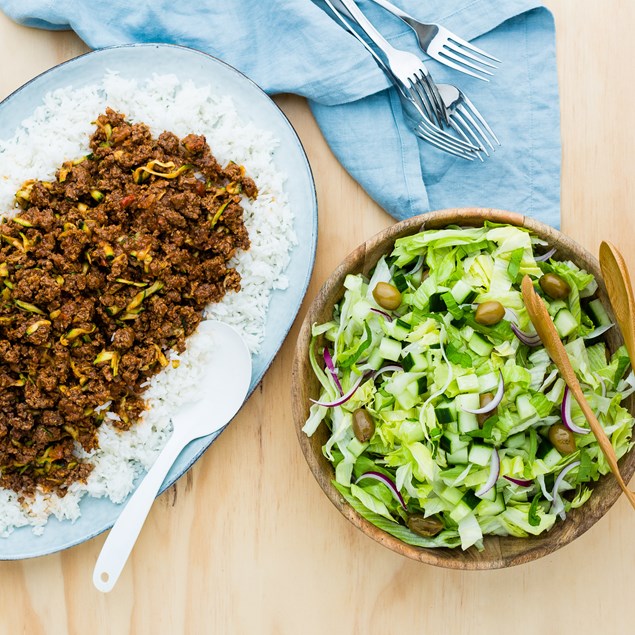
<point x="362" y="259"/>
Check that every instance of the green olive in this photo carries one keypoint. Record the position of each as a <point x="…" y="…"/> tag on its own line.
<point x="423" y="526"/>
<point x="554" y="286"/>
<point x="562" y="438"/>
<point x="489" y="313"/>
<point x="485" y="398"/>
<point x="387" y="296"/>
<point x="363" y="425"/>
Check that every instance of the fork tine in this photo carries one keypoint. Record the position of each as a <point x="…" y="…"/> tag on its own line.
<point x="467" y="51"/>
<point x="464" y="117"/>
<point x="422" y="99"/>
<point x="472" y="47"/>
<point x="446" y="138"/>
<point x="446" y="51"/>
<point x="458" y="129"/>
<point x="464" y="111"/>
<point x="441" y="146"/>
<point x="468" y="130"/>
<point x="445" y="60"/>
<point x="422" y="90"/>
<point x="478" y="115"/>
<point x="442" y="113"/>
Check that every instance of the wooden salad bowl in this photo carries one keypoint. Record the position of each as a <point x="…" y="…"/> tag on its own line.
<point x="498" y="552"/>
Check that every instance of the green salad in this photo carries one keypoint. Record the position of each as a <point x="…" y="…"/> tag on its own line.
<point x="448" y="421"/>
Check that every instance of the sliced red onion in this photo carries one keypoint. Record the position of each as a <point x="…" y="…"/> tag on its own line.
<point x="598" y="331"/>
<point x="328" y="361"/>
<point x="519" y="481"/>
<point x="494" y="403"/>
<point x="546" y="255"/>
<point x="494" y="471"/>
<point x="382" y="478"/>
<point x="565" y="413"/>
<point x="343" y="398"/>
<point x="385" y="315"/>
<point x="558" y="505"/>
<point x="530" y="339"/>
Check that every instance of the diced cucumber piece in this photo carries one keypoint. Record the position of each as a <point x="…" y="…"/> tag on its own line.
<point x="455" y="442"/>
<point x="390" y="349"/>
<point x="490" y="495"/>
<point x="399" y="280"/>
<point x="445" y="412"/>
<point x="407" y="400"/>
<point x="436" y="302"/>
<point x="488" y="382"/>
<point x="471" y="499"/>
<point x="552" y="458"/>
<point x="468" y="383"/>
<point x="554" y="306"/>
<point x="565" y="323"/>
<point x="598" y="313"/>
<point x="375" y="359"/>
<point x="356" y="447"/>
<point x="459" y="457"/>
<point x="461" y="510"/>
<point x="404" y="387"/>
<point x="480" y="345"/>
<point x="451" y="494"/>
<point x="399" y="330"/>
<point x="526" y="411"/>
<point x="460" y="291"/>
<point x="467" y="421"/>
<point x="491" y="507"/>
<point x="480" y="455"/>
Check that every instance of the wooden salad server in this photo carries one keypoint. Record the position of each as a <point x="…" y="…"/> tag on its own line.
<point x="620" y="291"/>
<point x="546" y="330"/>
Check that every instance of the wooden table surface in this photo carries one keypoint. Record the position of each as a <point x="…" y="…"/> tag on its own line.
<point x="246" y="542"/>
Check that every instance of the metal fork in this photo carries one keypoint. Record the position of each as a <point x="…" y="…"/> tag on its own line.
<point x="446" y="47"/>
<point x="422" y="126"/>
<point x="466" y="119"/>
<point x="406" y="67"/>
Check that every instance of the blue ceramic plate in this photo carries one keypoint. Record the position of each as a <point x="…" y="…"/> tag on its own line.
<point x="138" y="62"/>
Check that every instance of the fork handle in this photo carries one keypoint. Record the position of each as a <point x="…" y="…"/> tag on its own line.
<point x="366" y="25"/>
<point x="391" y="8"/>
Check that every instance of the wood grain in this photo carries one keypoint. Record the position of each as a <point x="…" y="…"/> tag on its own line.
<point x="248" y="543"/>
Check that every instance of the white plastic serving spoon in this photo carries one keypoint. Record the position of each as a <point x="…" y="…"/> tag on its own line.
<point x="225" y="383"/>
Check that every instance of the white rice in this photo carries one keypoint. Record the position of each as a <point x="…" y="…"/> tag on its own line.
<point x="58" y="131"/>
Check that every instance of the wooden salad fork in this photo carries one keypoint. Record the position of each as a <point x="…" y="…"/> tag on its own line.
<point x="546" y="330"/>
<point x="620" y="291"/>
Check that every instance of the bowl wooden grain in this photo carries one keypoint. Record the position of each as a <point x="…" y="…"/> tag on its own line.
<point x="499" y="552"/>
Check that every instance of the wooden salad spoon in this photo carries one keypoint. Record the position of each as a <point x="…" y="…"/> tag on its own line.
<point x="618" y="286"/>
<point x="546" y="330"/>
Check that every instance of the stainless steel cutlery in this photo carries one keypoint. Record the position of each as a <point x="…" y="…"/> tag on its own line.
<point x="434" y="111"/>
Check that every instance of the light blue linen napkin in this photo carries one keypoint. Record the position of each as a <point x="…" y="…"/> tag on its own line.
<point x="294" y="46"/>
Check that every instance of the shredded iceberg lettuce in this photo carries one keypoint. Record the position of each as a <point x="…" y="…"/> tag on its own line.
<point x="423" y="366"/>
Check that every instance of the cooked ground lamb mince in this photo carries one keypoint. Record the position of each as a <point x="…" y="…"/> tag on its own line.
<point x="102" y="272"/>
